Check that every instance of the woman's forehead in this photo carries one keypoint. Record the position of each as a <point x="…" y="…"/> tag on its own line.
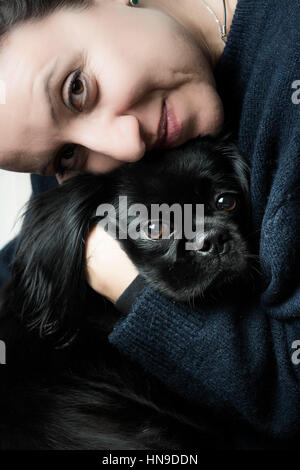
<point x="25" y="63"/>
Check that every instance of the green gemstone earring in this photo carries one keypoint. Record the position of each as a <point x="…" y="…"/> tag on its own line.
<point x="133" y="3"/>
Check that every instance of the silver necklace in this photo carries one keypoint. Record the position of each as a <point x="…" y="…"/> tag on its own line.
<point x="222" y="29"/>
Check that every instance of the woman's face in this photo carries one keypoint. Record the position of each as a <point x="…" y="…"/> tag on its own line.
<point x="108" y="71"/>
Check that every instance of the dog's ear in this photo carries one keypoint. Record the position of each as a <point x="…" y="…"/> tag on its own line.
<point x="226" y="145"/>
<point x="241" y="168"/>
<point x="49" y="267"/>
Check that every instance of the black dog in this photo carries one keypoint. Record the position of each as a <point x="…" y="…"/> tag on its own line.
<point x="65" y="387"/>
<point x="202" y="171"/>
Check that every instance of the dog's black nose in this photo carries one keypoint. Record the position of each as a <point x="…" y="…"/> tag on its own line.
<point x="215" y="242"/>
<point x="211" y="242"/>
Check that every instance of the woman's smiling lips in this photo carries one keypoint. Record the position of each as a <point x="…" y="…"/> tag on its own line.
<point x="169" y="128"/>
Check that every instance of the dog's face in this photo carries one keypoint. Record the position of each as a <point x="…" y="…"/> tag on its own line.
<point x="185" y="265"/>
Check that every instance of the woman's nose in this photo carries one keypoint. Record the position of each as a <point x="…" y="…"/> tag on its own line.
<point x="119" y="138"/>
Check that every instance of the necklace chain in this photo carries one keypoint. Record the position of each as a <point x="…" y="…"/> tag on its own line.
<point x="222" y="28"/>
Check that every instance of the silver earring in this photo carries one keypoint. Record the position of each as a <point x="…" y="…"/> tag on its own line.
<point x="133" y="3"/>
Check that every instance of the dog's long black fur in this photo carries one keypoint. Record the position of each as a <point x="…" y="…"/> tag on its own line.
<point x="64" y="385"/>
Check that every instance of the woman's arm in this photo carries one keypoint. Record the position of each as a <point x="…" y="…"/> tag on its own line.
<point x="236" y="360"/>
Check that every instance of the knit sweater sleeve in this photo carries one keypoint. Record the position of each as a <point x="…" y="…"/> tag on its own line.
<point x="235" y="360"/>
<point x="243" y="361"/>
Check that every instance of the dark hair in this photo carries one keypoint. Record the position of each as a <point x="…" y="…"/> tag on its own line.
<point x="14" y="12"/>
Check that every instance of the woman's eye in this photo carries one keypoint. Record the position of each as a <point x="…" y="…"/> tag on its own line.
<point x="77" y="87"/>
<point x="66" y="159"/>
<point x="227" y="202"/>
<point x="77" y="92"/>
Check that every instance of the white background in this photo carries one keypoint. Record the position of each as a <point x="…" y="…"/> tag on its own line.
<point x="15" y="190"/>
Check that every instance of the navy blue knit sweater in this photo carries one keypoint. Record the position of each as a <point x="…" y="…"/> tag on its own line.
<point x="243" y="361"/>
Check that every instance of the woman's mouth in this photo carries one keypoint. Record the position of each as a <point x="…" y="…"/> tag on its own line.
<point x="170" y="128"/>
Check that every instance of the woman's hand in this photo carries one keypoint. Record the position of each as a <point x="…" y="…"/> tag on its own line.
<point x="109" y="270"/>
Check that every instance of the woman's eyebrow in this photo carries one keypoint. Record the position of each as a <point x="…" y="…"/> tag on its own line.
<point x="22" y="162"/>
<point x="48" y="95"/>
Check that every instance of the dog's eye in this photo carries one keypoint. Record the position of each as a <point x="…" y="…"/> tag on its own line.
<point x="227" y="202"/>
<point x="156" y="229"/>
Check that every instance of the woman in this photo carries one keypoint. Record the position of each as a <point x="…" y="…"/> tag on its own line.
<point x="108" y="86"/>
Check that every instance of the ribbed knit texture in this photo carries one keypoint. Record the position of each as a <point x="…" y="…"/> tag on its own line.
<point x="237" y="360"/>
